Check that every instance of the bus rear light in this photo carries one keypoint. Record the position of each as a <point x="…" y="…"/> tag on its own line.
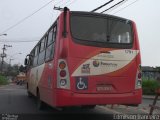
<point x="139" y="75"/>
<point x="138" y="82"/>
<point x="62" y="65"/>
<point x="62" y="73"/>
<point x="63" y="80"/>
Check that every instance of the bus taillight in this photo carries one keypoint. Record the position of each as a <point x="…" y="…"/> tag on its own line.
<point x="62" y="65"/>
<point x="62" y="73"/>
<point x="138" y="82"/>
<point x="139" y="75"/>
<point x="63" y="80"/>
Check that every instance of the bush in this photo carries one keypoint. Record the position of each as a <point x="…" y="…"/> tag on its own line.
<point x="149" y="86"/>
<point x="3" y="80"/>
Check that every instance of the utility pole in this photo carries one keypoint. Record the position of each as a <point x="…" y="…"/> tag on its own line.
<point x="3" y="55"/>
<point x="10" y="61"/>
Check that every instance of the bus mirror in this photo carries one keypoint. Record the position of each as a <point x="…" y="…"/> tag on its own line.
<point x="26" y="61"/>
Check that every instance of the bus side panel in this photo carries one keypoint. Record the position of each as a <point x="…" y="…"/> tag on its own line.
<point x="48" y="84"/>
<point x="136" y="39"/>
<point x="28" y="80"/>
<point x="35" y="74"/>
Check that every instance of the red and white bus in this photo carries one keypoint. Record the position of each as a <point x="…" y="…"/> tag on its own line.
<point x="86" y="59"/>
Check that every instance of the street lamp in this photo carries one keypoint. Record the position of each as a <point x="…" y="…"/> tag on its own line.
<point x="11" y="57"/>
<point x="10" y="61"/>
<point x="3" y="34"/>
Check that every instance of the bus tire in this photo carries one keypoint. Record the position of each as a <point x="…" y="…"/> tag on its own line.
<point x="40" y="104"/>
<point x="29" y="94"/>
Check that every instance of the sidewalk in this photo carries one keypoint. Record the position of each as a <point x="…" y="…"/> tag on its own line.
<point x="149" y="97"/>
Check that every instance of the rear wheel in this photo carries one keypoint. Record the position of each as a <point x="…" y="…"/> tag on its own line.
<point x="40" y="104"/>
<point x="29" y="94"/>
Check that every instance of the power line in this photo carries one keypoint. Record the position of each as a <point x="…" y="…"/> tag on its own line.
<point x="102" y="6"/>
<point x="126" y="6"/>
<point x="117" y="6"/>
<point x="113" y="6"/>
<point x="20" y="41"/>
<point x="25" y="18"/>
<point x="53" y="15"/>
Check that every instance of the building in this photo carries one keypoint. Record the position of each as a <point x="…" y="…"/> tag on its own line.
<point x="150" y="73"/>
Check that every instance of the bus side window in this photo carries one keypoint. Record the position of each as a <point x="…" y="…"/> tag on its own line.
<point x="31" y="58"/>
<point x="51" y="44"/>
<point x="49" y="52"/>
<point x="42" y="45"/>
<point x="50" y="37"/>
<point x="41" y="55"/>
<point x="54" y="33"/>
<point x="35" y="59"/>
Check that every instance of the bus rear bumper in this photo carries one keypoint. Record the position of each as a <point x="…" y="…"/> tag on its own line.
<point x="68" y="98"/>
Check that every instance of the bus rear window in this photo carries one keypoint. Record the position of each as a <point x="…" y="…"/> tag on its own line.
<point x="89" y="28"/>
<point x="98" y="29"/>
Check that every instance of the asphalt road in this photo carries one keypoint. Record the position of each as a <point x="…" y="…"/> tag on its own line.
<point x="14" y="103"/>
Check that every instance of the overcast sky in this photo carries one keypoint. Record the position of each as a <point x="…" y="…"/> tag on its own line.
<point x="144" y="12"/>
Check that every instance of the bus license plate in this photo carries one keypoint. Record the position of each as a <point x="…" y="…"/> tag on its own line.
<point x="104" y="88"/>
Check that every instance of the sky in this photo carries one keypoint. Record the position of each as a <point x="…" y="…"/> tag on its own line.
<point x="145" y="13"/>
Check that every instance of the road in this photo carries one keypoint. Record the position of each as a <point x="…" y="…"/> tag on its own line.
<point x="14" y="101"/>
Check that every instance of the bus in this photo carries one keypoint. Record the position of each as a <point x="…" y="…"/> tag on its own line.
<point x="86" y="59"/>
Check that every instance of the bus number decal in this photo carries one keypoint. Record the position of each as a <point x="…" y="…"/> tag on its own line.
<point x="129" y="51"/>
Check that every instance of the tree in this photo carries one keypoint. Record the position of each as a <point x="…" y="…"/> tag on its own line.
<point x="22" y="68"/>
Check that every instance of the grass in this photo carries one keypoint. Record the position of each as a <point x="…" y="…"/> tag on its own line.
<point x="149" y="86"/>
<point x="3" y="80"/>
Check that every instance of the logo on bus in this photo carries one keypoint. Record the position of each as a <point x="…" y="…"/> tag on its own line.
<point x="107" y="64"/>
<point x="95" y="63"/>
<point x="81" y="83"/>
<point x="85" y="68"/>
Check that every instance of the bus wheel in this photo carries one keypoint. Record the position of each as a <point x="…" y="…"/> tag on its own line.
<point x="29" y="94"/>
<point x="88" y="106"/>
<point x="40" y="104"/>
